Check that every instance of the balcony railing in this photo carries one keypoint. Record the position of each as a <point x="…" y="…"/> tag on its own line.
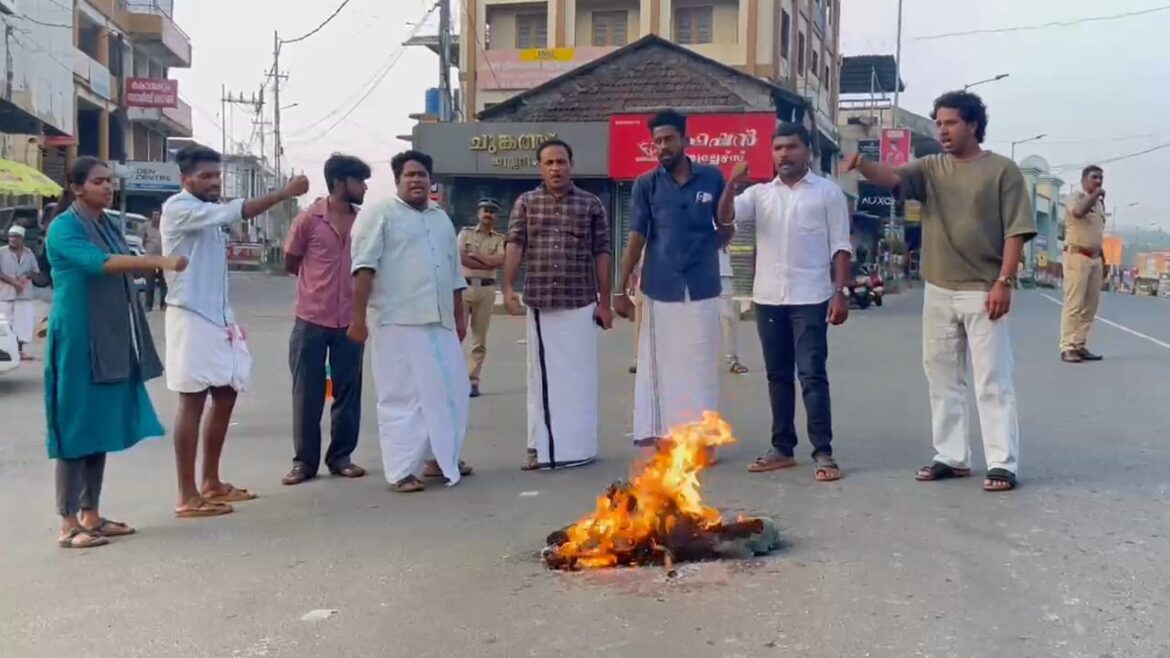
<point x="155" y="19"/>
<point x="96" y="76"/>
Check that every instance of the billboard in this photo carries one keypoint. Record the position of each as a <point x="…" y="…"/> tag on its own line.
<point x="152" y="92"/>
<point x="715" y="139"/>
<point x="896" y="147"/>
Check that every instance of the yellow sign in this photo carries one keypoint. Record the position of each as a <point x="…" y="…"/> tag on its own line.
<point x="913" y="212"/>
<point x="1042" y="259"/>
<point x="546" y="55"/>
<point x="503" y="143"/>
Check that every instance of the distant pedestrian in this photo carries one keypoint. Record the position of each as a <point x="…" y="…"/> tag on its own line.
<point x="681" y="220"/>
<point x="156" y="282"/>
<point x="560" y="233"/>
<point x="481" y="251"/>
<point x="206" y="352"/>
<point x="18" y="267"/>
<point x="976" y="218"/>
<point x="729" y="312"/>
<point x="100" y="355"/>
<point x="406" y="266"/>
<point x="803" y="257"/>
<point x="1084" y="265"/>
<point x="317" y="251"/>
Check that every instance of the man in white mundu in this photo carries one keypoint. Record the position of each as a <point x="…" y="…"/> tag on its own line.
<point x="674" y="217"/>
<point x="206" y="353"/>
<point x="406" y="266"/>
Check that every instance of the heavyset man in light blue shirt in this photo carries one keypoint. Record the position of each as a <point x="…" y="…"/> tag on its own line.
<point x="406" y="266"/>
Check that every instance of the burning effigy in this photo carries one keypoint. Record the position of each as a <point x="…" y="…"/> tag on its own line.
<point x="658" y="517"/>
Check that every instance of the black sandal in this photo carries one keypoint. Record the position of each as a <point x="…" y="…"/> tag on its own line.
<point x="940" y="471"/>
<point x="1002" y="477"/>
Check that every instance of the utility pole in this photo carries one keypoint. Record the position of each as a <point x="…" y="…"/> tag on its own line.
<point x="223" y="101"/>
<point x="446" y="101"/>
<point x="276" y="78"/>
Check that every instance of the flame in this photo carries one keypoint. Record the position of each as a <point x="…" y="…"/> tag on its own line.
<point x="657" y="499"/>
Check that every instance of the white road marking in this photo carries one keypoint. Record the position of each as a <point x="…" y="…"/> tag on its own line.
<point x="1115" y="325"/>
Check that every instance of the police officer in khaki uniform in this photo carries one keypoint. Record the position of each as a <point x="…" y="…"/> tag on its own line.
<point x="1084" y="230"/>
<point x="481" y="249"/>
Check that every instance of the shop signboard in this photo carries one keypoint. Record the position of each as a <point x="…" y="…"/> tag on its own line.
<point x="150" y="176"/>
<point x="715" y="139"/>
<point x="896" y="147"/>
<point x="505" y="69"/>
<point x="152" y="92"/>
<point x="874" y="200"/>
<point x="871" y="149"/>
<point x="508" y="150"/>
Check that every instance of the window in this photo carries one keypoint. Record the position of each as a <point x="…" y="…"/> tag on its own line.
<point x="800" y="53"/>
<point x="785" y="34"/>
<point x="532" y="30"/>
<point x="826" y="80"/>
<point x="815" y="63"/>
<point x="693" y="24"/>
<point x="610" y="28"/>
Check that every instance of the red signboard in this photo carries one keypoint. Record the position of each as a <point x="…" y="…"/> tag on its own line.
<point x="152" y="92"/>
<point x="715" y="139"/>
<point x="896" y="147"/>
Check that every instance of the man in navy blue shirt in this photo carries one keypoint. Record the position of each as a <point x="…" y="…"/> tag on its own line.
<point x="679" y="218"/>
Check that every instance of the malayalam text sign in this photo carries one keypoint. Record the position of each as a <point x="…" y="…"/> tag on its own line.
<point x="715" y="139"/>
<point x="152" y="92"/>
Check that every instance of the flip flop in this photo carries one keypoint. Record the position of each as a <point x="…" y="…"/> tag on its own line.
<point x="203" y="510"/>
<point x="108" y="528"/>
<point x="773" y="461"/>
<point x="531" y="461"/>
<point x="940" y="471"/>
<point x="432" y="470"/>
<point x="827" y="470"/>
<point x="1000" y="479"/>
<point x="87" y="539"/>
<point x="408" y="484"/>
<point x="232" y="494"/>
<point x="737" y="368"/>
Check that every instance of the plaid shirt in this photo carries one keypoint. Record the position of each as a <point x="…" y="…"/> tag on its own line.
<point x="561" y="238"/>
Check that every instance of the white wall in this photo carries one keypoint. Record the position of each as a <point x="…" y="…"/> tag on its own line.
<point x="42" y="62"/>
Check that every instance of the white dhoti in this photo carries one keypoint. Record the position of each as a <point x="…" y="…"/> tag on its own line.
<point x="22" y="315"/>
<point x="201" y="354"/>
<point x="562" y="386"/>
<point x="423" y="398"/>
<point x="678" y="365"/>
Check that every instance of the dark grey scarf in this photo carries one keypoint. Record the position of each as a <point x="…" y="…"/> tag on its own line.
<point x="120" y="344"/>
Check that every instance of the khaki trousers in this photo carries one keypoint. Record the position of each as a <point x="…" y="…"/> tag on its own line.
<point x="479" y="301"/>
<point x="1082" y="295"/>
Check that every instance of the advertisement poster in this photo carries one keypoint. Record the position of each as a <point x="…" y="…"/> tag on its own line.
<point x="715" y="139"/>
<point x="896" y="147"/>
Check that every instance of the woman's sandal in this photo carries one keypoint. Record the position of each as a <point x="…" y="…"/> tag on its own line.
<point x="108" y="528"/>
<point x="999" y="479"/>
<point x="79" y="537"/>
<point x="408" y="484"/>
<point x="940" y="471"/>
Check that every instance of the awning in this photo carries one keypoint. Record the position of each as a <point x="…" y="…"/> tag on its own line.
<point x="18" y="178"/>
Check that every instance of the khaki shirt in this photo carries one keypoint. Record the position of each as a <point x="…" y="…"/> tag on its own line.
<point x="969" y="210"/>
<point x="1086" y="232"/>
<point x="477" y="243"/>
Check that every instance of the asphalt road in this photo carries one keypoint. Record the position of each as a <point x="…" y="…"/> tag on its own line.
<point x="1074" y="564"/>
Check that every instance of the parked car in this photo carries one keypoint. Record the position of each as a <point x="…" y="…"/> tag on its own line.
<point x="137" y="249"/>
<point x="9" y="347"/>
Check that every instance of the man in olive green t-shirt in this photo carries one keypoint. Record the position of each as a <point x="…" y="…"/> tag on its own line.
<point x="976" y="218"/>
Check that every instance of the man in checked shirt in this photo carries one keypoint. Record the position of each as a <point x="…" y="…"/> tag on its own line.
<point x="561" y="235"/>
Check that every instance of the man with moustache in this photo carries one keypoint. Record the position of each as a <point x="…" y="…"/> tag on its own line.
<point x="680" y="217"/>
<point x="406" y="266"/>
<point x="1084" y="269"/>
<point x="317" y="252"/>
<point x="976" y="218"/>
<point x="561" y="234"/>
<point x="481" y="250"/>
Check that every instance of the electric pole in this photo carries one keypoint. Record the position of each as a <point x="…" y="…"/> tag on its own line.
<point x="276" y="78"/>
<point x="446" y="96"/>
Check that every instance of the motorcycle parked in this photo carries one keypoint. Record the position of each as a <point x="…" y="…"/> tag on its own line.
<point x="877" y="287"/>
<point x="860" y="290"/>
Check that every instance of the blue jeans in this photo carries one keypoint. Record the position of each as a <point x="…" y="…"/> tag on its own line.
<point x="796" y="338"/>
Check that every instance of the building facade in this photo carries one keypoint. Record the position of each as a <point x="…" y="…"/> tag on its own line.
<point x="510" y="46"/>
<point x="1043" y="255"/>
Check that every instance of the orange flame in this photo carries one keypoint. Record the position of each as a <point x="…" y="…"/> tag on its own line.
<point x="665" y="492"/>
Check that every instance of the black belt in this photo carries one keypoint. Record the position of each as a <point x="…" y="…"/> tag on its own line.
<point x="481" y="282"/>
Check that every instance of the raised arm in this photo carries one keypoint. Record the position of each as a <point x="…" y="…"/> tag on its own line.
<point x="1081" y="204"/>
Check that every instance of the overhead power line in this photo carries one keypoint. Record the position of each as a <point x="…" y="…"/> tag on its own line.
<point x="1119" y="158"/>
<point x="42" y="23"/>
<point x="351" y="103"/>
<point x="1049" y="24"/>
<point x="319" y="27"/>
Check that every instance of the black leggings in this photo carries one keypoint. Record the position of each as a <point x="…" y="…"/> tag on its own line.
<point x="79" y="483"/>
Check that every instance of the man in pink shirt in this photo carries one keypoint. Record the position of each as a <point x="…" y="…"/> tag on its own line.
<point x="317" y="251"/>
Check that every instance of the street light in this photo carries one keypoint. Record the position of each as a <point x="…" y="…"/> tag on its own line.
<point x="1025" y="141"/>
<point x="1116" y="210"/>
<point x="997" y="78"/>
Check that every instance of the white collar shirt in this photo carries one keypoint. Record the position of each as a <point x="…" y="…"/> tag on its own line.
<point x="798" y="231"/>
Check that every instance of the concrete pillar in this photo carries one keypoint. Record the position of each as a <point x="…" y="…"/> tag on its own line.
<point x="104" y="135"/>
<point x="103" y="49"/>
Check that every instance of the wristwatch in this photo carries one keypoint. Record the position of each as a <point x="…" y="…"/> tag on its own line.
<point x="843" y="291"/>
<point x="1009" y="281"/>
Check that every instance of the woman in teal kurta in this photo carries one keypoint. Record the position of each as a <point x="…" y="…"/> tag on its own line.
<point x="99" y="353"/>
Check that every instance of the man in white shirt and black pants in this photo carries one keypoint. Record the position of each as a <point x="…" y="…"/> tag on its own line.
<point x="803" y="259"/>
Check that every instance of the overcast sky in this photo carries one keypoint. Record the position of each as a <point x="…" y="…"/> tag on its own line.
<point x="1098" y="90"/>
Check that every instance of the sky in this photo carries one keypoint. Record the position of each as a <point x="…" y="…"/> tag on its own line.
<point x="1097" y="90"/>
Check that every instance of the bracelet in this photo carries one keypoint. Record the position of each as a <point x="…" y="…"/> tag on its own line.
<point x="620" y="294"/>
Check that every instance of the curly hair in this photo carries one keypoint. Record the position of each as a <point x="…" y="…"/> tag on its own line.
<point x="970" y="107"/>
<point x="398" y="162"/>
